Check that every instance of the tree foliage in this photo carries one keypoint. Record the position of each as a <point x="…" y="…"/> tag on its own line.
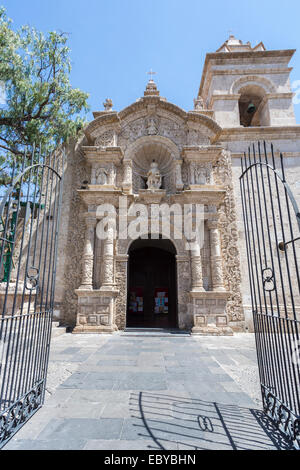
<point x="41" y="106"/>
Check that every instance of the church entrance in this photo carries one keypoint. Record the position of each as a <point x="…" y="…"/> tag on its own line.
<point x="152" y="287"/>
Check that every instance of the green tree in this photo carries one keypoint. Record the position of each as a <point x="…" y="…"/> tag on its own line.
<point x="41" y="107"/>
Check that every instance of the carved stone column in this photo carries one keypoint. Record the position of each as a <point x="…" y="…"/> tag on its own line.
<point x="108" y="260"/>
<point x="196" y="262"/>
<point x="178" y="175"/>
<point x="127" y="178"/>
<point x="216" y="258"/>
<point x="88" y="254"/>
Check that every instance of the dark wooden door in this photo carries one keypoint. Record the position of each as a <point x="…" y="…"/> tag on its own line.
<point x="152" y="299"/>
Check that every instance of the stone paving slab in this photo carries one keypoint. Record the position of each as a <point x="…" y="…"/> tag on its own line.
<point x="132" y="392"/>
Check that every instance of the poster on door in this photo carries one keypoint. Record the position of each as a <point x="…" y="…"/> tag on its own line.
<point x="136" y="300"/>
<point x="161" y="299"/>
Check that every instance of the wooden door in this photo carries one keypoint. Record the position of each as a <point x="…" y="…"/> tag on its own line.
<point x="152" y="291"/>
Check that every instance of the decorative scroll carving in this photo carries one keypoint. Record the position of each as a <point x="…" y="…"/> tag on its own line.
<point x="88" y="255"/>
<point x="108" y="259"/>
<point x="121" y="282"/>
<point x="107" y="139"/>
<point x="184" y="286"/>
<point x="197" y="280"/>
<point x="229" y="238"/>
<point x="216" y="258"/>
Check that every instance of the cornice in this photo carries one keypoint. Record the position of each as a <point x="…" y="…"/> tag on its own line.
<point x="223" y="58"/>
<point x="232" y="134"/>
<point x="108" y="118"/>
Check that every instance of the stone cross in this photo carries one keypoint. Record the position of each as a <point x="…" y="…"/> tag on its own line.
<point x="151" y="73"/>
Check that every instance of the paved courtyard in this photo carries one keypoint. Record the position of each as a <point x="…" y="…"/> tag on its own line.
<point x="170" y="392"/>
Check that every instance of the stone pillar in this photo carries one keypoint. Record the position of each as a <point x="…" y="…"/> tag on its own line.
<point x="196" y="263"/>
<point x="93" y="174"/>
<point x="215" y="257"/>
<point x="127" y="178"/>
<point x="192" y="172"/>
<point x="88" y="254"/>
<point x="178" y="175"/>
<point x="108" y="260"/>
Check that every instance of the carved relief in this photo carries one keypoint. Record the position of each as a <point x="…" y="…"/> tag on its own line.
<point x="184" y="286"/>
<point x="105" y="174"/>
<point x="121" y="282"/>
<point x="152" y="126"/>
<point x="200" y="173"/>
<point x="75" y="243"/>
<point x="107" y="139"/>
<point x="229" y="238"/>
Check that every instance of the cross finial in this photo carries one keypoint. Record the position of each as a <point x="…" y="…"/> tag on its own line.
<point x="230" y="32"/>
<point x="151" y="73"/>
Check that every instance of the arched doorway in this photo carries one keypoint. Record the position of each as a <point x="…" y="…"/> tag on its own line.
<point x="152" y="286"/>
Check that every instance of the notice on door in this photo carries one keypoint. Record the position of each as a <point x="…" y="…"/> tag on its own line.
<point x="161" y="300"/>
<point x="136" y="300"/>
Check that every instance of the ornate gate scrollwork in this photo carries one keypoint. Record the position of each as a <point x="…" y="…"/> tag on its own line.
<point x="29" y="223"/>
<point x="272" y="225"/>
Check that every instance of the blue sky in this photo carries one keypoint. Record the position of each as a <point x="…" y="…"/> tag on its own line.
<point x="114" y="43"/>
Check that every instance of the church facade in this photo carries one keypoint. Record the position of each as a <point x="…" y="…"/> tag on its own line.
<point x="153" y="157"/>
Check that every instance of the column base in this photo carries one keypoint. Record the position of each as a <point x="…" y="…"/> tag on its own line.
<point x="209" y="312"/>
<point x="85" y="329"/>
<point x="96" y="311"/>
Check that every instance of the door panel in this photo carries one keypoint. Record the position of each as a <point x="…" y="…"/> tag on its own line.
<point x="151" y="273"/>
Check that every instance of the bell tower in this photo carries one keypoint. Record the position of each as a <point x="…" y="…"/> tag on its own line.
<point x="248" y="86"/>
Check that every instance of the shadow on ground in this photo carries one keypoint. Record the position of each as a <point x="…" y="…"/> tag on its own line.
<point x="194" y="424"/>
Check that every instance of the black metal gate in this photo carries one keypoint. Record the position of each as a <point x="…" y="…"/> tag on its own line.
<point x="272" y="225"/>
<point x="29" y="220"/>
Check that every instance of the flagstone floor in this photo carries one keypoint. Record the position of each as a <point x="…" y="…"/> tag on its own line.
<point x="130" y="392"/>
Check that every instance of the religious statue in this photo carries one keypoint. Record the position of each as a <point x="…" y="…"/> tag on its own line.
<point x="200" y="175"/>
<point x="154" y="177"/>
<point x="151" y="128"/>
<point x="101" y="176"/>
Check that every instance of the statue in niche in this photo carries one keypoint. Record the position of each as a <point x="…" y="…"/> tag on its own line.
<point x="200" y="175"/>
<point x="154" y="177"/>
<point x="101" y="176"/>
<point x="112" y="174"/>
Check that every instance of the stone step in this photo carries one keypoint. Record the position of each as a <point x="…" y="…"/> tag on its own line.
<point x="148" y="332"/>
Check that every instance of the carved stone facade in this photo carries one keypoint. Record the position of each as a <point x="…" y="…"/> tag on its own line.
<point x="154" y="153"/>
<point x="195" y="155"/>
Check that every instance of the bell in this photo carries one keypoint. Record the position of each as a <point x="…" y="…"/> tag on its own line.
<point x="251" y="108"/>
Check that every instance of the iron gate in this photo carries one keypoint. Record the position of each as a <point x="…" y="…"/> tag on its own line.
<point x="29" y="222"/>
<point x="272" y="225"/>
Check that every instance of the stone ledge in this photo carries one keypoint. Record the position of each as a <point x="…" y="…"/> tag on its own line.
<point x="86" y="329"/>
<point x="103" y="292"/>
<point x="211" y="294"/>
<point x="211" y="330"/>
